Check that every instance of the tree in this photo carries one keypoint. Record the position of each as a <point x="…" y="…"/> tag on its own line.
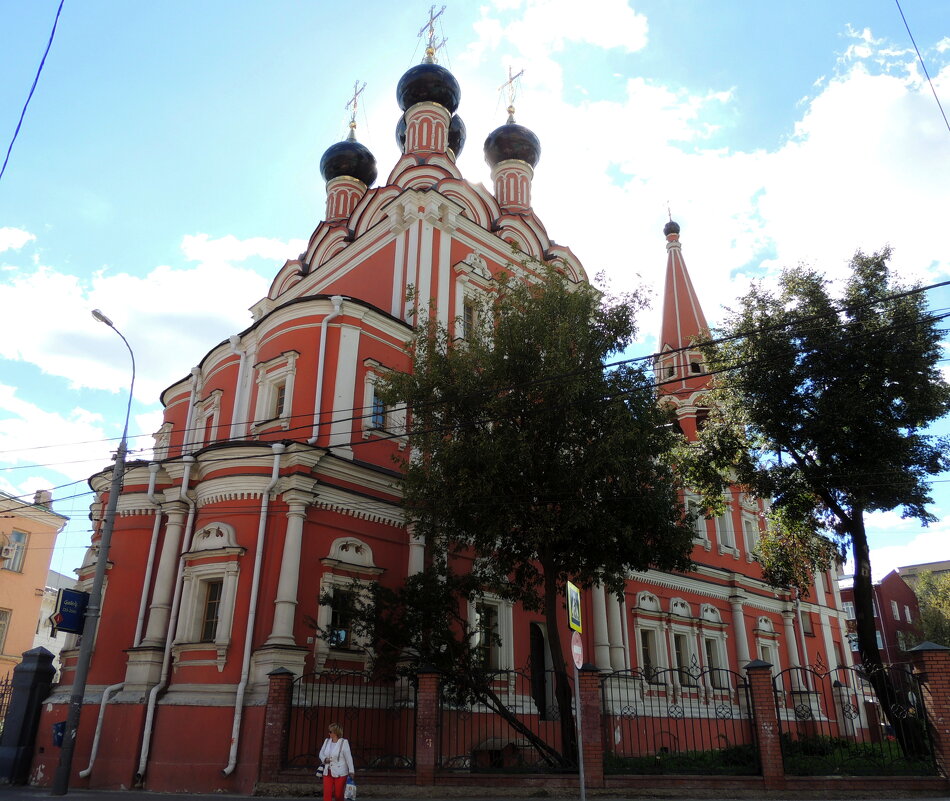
<point x="822" y="406"/>
<point x="529" y="463"/>
<point x="933" y="596"/>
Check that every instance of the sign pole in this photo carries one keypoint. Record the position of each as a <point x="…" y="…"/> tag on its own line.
<point x="580" y="736"/>
<point x="577" y="652"/>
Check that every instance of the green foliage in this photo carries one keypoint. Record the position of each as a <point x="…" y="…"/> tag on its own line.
<point x="822" y="405"/>
<point x="734" y="760"/>
<point x="526" y="451"/>
<point x="790" y="550"/>
<point x="822" y="755"/>
<point x="933" y="596"/>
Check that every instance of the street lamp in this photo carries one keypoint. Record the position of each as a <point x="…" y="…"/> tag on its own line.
<point x="93" y="608"/>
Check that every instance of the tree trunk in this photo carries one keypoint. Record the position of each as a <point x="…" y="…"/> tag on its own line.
<point x="562" y="687"/>
<point x="906" y="729"/>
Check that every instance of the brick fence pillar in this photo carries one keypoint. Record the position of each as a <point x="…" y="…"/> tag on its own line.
<point x="427" y="724"/>
<point x="591" y="726"/>
<point x="933" y="671"/>
<point x="767" y="733"/>
<point x="276" y="724"/>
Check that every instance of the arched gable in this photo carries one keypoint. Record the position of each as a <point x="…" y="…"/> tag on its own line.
<point x="288" y="275"/>
<point x="331" y="244"/>
<point x="679" y="607"/>
<point x="648" y="602"/>
<point x="474" y="205"/>
<point x="372" y="210"/>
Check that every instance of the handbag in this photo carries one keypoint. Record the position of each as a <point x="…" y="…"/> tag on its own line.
<point x="320" y="769"/>
<point x="349" y="793"/>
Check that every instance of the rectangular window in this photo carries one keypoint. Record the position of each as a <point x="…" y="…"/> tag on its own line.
<point x="648" y="662"/>
<point x="874" y="607"/>
<point x="486" y="636"/>
<point x="378" y="416"/>
<point x="839" y="657"/>
<point x="751" y="535"/>
<point x="724" y="526"/>
<point x="341" y="620"/>
<point x="280" y="398"/>
<point x="806" y="624"/>
<point x="880" y="642"/>
<point x="211" y="609"/>
<point x="699" y="522"/>
<point x="907" y="617"/>
<point x="717" y="676"/>
<point x="681" y="654"/>
<point x="468" y="319"/>
<point x="16" y="550"/>
<point x="895" y="610"/>
<point x="4" y="625"/>
<point x="848" y="607"/>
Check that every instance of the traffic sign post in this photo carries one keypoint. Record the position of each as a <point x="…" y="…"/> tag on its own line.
<point x="577" y="652"/>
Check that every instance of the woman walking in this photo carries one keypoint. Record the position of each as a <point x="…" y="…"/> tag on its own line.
<point x="337" y="763"/>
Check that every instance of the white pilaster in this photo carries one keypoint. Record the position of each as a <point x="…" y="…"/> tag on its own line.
<point x="285" y="604"/>
<point x="601" y="637"/>
<point x="160" y="608"/>
<point x="738" y="625"/>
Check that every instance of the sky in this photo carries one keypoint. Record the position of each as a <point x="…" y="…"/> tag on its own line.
<point x="168" y="164"/>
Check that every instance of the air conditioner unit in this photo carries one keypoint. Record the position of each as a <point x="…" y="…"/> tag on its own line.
<point x="7" y="551"/>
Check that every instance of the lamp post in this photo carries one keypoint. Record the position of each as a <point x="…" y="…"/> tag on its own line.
<point x="93" y="609"/>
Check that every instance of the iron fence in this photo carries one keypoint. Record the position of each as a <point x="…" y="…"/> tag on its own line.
<point x="515" y="725"/>
<point x="851" y="721"/>
<point x="378" y="716"/>
<point x="689" y="720"/>
<point x="6" y="695"/>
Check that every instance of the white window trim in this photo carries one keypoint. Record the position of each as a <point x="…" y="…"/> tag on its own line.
<point x="907" y="616"/>
<point x="188" y="633"/>
<point x="394" y="425"/>
<point x="662" y="662"/>
<point x="700" y="528"/>
<point x="725" y="533"/>
<point x="210" y="407"/>
<point x="270" y="375"/>
<point x="750" y="541"/>
<point x="15" y="562"/>
<point x="896" y="611"/>
<point x="505" y="650"/>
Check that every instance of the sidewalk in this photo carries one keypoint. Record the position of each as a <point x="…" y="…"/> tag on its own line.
<point x="390" y="793"/>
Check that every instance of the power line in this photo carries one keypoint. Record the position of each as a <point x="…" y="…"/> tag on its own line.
<point x="32" y="88"/>
<point x="920" y="58"/>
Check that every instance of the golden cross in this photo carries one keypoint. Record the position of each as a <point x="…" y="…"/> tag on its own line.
<point x="353" y="102"/>
<point x="509" y="85"/>
<point x="432" y="45"/>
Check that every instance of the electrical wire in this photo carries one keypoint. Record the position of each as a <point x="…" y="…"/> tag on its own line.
<point x="920" y="58"/>
<point x="49" y="44"/>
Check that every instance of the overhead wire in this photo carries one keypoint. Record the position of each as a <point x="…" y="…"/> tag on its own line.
<point x="920" y="58"/>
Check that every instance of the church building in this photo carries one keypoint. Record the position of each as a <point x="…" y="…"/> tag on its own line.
<point x="273" y="481"/>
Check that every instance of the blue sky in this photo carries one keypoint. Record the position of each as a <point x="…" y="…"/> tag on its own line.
<point x="168" y="164"/>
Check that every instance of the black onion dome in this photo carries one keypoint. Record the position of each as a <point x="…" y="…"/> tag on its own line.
<point x="456" y="134"/>
<point x="671" y="228"/>
<point x="512" y="141"/>
<point x="431" y="83"/>
<point x="401" y="133"/>
<point x="348" y="158"/>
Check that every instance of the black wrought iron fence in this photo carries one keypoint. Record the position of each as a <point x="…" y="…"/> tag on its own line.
<point x="848" y="721"/>
<point x="515" y="726"/>
<point x="6" y="695"/>
<point x="690" y="720"/>
<point x="378" y="716"/>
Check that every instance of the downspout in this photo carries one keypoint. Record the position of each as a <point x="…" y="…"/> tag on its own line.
<point x="278" y="448"/>
<point x="112" y="688"/>
<point x="153" y="469"/>
<point x="337" y="301"/>
<point x="172" y="624"/>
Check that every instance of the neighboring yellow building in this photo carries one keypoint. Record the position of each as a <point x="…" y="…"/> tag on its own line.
<point x="27" y="536"/>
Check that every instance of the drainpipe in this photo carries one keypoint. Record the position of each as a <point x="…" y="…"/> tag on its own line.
<point x="337" y="301"/>
<point x="172" y="624"/>
<point x="112" y="688"/>
<point x="278" y="448"/>
<point x="153" y="468"/>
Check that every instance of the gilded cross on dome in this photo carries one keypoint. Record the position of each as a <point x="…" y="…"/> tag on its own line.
<point x="509" y="87"/>
<point x="432" y="47"/>
<point x="352" y="104"/>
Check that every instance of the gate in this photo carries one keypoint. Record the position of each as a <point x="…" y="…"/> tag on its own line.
<point x="378" y="716"/>
<point x="686" y="720"/>
<point x="6" y="694"/>
<point x="518" y="729"/>
<point x="833" y="722"/>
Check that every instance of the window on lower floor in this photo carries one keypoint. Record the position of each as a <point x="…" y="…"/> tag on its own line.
<point x="806" y="624"/>
<point x="212" y="591"/>
<point x="487" y="642"/>
<point x="684" y="666"/>
<point x="648" y="652"/>
<point x="378" y="413"/>
<point x="714" y="663"/>
<point x="341" y="620"/>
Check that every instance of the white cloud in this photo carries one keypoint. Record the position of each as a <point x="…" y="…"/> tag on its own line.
<point x="165" y="315"/>
<point x="14" y="238"/>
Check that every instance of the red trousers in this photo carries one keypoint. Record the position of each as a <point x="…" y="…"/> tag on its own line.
<point x="333" y="786"/>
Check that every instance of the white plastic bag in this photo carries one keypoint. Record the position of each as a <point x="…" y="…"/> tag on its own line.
<point x="350" y="792"/>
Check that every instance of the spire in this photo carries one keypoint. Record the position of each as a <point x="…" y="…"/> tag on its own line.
<point x="509" y="87"/>
<point x="683" y="318"/>
<point x="352" y="104"/>
<point x="432" y="46"/>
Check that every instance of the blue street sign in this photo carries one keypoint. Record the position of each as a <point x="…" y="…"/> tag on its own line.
<point x="69" y="612"/>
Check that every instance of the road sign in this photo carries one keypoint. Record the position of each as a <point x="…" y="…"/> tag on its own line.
<point x="577" y="650"/>
<point x="70" y="608"/>
<point x="573" y="607"/>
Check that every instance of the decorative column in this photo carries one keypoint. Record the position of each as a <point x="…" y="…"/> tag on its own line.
<point x="285" y="604"/>
<point x="160" y="608"/>
<point x="618" y="649"/>
<point x="601" y="638"/>
<point x="738" y="625"/>
<point x="417" y="554"/>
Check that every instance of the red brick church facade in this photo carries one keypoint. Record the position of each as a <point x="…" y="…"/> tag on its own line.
<point x="272" y="481"/>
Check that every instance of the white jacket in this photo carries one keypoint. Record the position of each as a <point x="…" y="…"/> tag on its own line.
<point x="339" y="756"/>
